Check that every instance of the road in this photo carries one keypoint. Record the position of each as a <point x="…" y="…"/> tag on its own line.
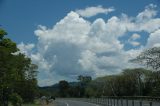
<point x="62" y="102"/>
<point x="73" y="103"/>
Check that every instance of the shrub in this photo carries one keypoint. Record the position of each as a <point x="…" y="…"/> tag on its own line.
<point x="15" y="99"/>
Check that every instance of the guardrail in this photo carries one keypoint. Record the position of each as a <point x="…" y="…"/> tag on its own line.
<point x="122" y="101"/>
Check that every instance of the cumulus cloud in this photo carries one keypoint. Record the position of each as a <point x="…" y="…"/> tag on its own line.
<point x="26" y="48"/>
<point x="153" y="40"/>
<point x="92" y="11"/>
<point x="75" y="46"/>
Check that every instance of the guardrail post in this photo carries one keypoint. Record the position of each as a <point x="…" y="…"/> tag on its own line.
<point x="108" y="101"/>
<point x="97" y="100"/>
<point x="104" y="101"/>
<point x="132" y="102"/>
<point x="121" y="102"/>
<point x="150" y="103"/>
<point x="117" y="102"/>
<point x="126" y="102"/>
<point x="114" y="101"/>
<point x="111" y="101"/>
<point x="140" y="103"/>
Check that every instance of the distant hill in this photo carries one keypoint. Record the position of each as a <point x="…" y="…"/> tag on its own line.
<point x="54" y="89"/>
<point x="56" y="86"/>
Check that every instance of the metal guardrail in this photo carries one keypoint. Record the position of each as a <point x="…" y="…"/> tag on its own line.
<point x="122" y="101"/>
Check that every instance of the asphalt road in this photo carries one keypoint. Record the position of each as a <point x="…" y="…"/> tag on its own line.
<point x="62" y="102"/>
<point x="73" y="103"/>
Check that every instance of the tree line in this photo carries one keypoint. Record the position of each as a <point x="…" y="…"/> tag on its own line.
<point x="18" y="81"/>
<point x="131" y="82"/>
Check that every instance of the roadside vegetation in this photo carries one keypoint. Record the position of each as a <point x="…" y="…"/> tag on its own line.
<point x="18" y="83"/>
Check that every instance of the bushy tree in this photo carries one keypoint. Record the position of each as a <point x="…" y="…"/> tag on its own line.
<point x="131" y="82"/>
<point x="15" y="69"/>
<point x="16" y="100"/>
<point x="151" y="59"/>
<point x="64" y="88"/>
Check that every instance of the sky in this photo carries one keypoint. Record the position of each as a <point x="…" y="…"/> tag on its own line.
<point x="67" y="38"/>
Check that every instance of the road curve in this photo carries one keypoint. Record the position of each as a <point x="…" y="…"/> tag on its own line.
<point x="73" y="103"/>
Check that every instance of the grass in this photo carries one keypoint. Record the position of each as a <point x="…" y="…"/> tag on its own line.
<point x="31" y="104"/>
<point x="36" y="103"/>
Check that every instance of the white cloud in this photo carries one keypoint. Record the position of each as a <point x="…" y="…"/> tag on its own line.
<point x="26" y="48"/>
<point x="150" y="25"/>
<point x="135" y="36"/>
<point x="76" y="46"/>
<point x="146" y="20"/>
<point x="71" y="29"/>
<point x="92" y="11"/>
<point x="154" y="39"/>
<point x="134" y="43"/>
<point x="88" y="60"/>
<point x="147" y="14"/>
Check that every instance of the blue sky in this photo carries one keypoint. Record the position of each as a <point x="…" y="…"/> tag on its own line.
<point x="66" y="38"/>
<point x="21" y="17"/>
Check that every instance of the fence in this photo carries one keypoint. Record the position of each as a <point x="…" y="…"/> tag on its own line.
<point x="122" y="101"/>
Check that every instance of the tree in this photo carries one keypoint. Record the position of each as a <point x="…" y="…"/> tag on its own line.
<point x="7" y="71"/>
<point x="151" y="58"/>
<point x="16" y="100"/>
<point x="84" y="79"/>
<point x="131" y="82"/>
<point x="83" y="82"/>
<point x="136" y="79"/>
<point x="64" y="88"/>
<point x="15" y="70"/>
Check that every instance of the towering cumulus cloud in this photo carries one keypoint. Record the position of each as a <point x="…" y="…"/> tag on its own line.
<point x="76" y="46"/>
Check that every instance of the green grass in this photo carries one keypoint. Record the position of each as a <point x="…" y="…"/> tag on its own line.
<point x="28" y="105"/>
<point x="31" y="104"/>
<point x="37" y="103"/>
